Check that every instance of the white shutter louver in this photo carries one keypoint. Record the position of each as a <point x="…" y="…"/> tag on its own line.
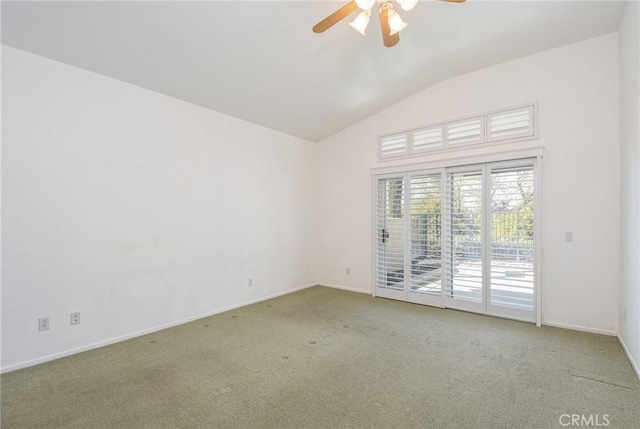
<point x="463" y="235"/>
<point x="393" y="145"/>
<point x="511" y="124"/>
<point x="390" y="233"/>
<point x="426" y="139"/>
<point x="465" y="132"/>
<point x="425" y="195"/>
<point x="512" y="247"/>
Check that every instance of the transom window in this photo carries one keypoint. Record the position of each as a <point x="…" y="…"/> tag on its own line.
<point x="507" y="125"/>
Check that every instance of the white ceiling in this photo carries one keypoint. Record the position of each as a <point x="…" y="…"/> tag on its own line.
<point x="260" y="61"/>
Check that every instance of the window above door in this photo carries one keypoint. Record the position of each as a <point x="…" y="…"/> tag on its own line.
<point x="500" y="126"/>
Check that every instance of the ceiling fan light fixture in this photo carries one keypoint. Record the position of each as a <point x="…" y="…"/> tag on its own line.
<point x="396" y="23"/>
<point x="407" y="4"/>
<point x="390" y="22"/>
<point x="360" y="23"/>
<point x="365" y="4"/>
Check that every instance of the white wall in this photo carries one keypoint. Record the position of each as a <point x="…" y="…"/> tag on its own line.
<point x="577" y="90"/>
<point x="138" y="210"/>
<point x="123" y="204"/>
<point x="629" y="297"/>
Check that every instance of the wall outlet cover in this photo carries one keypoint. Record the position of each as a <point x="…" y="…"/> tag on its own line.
<point x="75" y="318"/>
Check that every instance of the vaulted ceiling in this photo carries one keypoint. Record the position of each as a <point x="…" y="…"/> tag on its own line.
<point x="260" y="61"/>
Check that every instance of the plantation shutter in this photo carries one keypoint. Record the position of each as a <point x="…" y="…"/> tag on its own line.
<point x="425" y="194"/>
<point x="394" y="145"/>
<point x="512" y="124"/>
<point x="463" y="235"/>
<point x="465" y="132"/>
<point x="430" y="138"/>
<point x="390" y="243"/>
<point x="512" y="246"/>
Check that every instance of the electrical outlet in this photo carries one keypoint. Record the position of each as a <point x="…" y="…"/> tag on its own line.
<point x="348" y="271"/>
<point x="75" y="318"/>
<point x="250" y="282"/>
<point x="568" y="236"/>
<point x="43" y="324"/>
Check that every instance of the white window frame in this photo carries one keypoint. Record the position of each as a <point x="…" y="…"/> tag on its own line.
<point x="445" y="147"/>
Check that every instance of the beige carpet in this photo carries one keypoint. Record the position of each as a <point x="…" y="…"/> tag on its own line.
<point x="324" y="358"/>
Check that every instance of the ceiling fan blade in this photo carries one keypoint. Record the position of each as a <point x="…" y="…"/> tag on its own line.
<point x="388" y="40"/>
<point x="335" y="17"/>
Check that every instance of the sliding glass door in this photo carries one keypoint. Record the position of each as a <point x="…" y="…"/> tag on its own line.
<point x="408" y="251"/>
<point x="459" y="237"/>
<point x="464" y="232"/>
<point x="425" y="238"/>
<point x="511" y="266"/>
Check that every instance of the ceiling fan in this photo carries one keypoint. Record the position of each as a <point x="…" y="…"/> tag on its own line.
<point x="390" y="22"/>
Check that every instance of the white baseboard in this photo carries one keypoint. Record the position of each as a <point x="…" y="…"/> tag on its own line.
<point x="580" y="328"/>
<point x="349" y="289"/>
<point x="99" y="344"/>
<point x="634" y="364"/>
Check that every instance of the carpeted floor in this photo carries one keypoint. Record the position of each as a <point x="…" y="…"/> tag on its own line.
<point x="323" y="358"/>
